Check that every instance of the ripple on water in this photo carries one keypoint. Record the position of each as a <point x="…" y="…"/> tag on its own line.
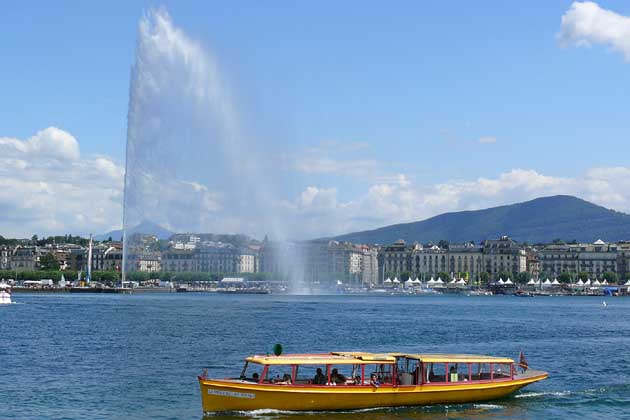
<point x="137" y="356"/>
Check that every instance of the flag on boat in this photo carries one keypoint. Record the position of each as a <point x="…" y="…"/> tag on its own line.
<point x="522" y="361"/>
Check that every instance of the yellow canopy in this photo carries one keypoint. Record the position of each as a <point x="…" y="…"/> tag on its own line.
<point x="458" y="358"/>
<point x="362" y="358"/>
<point x="322" y="359"/>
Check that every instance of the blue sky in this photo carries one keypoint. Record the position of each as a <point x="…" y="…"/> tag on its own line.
<point x="430" y="99"/>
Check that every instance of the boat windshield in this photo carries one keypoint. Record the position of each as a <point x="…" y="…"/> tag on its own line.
<point x="278" y="374"/>
<point x="252" y="372"/>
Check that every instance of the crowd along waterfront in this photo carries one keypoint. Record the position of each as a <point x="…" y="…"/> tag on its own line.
<point x="138" y="356"/>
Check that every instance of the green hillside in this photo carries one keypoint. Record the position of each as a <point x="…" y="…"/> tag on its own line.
<point x="539" y="220"/>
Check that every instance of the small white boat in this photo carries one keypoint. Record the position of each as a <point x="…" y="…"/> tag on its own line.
<point x="5" y="294"/>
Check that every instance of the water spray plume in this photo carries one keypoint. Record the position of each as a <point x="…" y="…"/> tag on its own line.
<point x="189" y="165"/>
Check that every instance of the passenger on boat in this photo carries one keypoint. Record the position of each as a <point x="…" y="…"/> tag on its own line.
<point x="374" y="381"/>
<point x="416" y="374"/>
<point x="320" y="378"/>
<point x="432" y="375"/>
<point x="286" y="380"/>
<point x="453" y="373"/>
<point x="255" y="377"/>
<point x="337" y="377"/>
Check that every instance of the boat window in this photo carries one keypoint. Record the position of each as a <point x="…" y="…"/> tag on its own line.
<point x="279" y="374"/>
<point x="252" y="372"/>
<point x="458" y="372"/>
<point x="382" y="371"/>
<point x="501" y="371"/>
<point x="345" y="375"/>
<point x="480" y="371"/>
<point x="408" y="371"/>
<point x="311" y="375"/>
<point x="435" y="372"/>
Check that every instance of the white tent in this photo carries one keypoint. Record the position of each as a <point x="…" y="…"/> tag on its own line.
<point x="555" y="282"/>
<point x="396" y="280"/>
<point x="627" y="283"/>
<point x="431" y="281"/>
<point x="409" y="282"/>
<point x="587" y="282"/>
<point x="417" y="281"/>
<point x="388" y="280"/>
<point x="500" y="281"/>
<point x="452" y="281"/>
<point x="531" y="282"/>
<point x="508" y="281"/>
<point x="547" y="282"/>
<point x="439" y="281"/>
<point x="605" y="282"/>
<point x="461" y="281"/>
<point x="596" y="283"/>
<point x="232" y="280"/>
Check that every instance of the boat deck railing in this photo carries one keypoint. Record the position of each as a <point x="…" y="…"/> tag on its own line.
<point x="529" y="373"/>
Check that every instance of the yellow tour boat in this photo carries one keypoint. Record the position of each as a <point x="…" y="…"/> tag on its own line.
<point x="354" y="380"/>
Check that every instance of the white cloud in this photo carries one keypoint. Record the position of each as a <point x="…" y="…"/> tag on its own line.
<point x="586" y="23"/>
<point x="45" y="187"/>
<point x="51" y="143"/>
<point x="50" y="193"/>
<point x="487" y="140"/>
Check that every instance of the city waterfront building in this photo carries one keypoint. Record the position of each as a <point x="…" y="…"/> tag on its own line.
<point x="216" y="257"/>
<point x="246" y="262"/>
<point x="345" y="260"/>
<point x="5" y="257"/>
<point x="395" y="258"/>
<point x="25" y="258"/>
<point x="428" y="260"/>
<point x="317" y="267"/>
<point x="465" y="260"/>
<point x="503" y="255"/>
<point x="146" y="261"/>
<point x="112" y="259"/>
<point x="369" y="265"/>
<point x="178" y="260"/>
<point x="593" y="259"/>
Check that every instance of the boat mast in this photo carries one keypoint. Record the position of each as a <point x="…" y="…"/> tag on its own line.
<point x="89" y="262"/>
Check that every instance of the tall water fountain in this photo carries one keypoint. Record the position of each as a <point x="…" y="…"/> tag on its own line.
<point x="190" y="164"/>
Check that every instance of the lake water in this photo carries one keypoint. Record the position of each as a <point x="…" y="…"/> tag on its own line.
<point x="69" y="356"/>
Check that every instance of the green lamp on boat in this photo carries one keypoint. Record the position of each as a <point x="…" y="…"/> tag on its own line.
<point x="277" y="349"/>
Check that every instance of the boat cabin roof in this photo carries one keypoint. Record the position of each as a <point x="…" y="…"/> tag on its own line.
<point x="362" y="358"/>
<point x="454" y="358"/>
<point x="352" y="358"/>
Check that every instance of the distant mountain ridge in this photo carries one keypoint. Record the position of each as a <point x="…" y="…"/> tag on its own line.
<point x="146" y="227"/>
<point x="540" y="220"/>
